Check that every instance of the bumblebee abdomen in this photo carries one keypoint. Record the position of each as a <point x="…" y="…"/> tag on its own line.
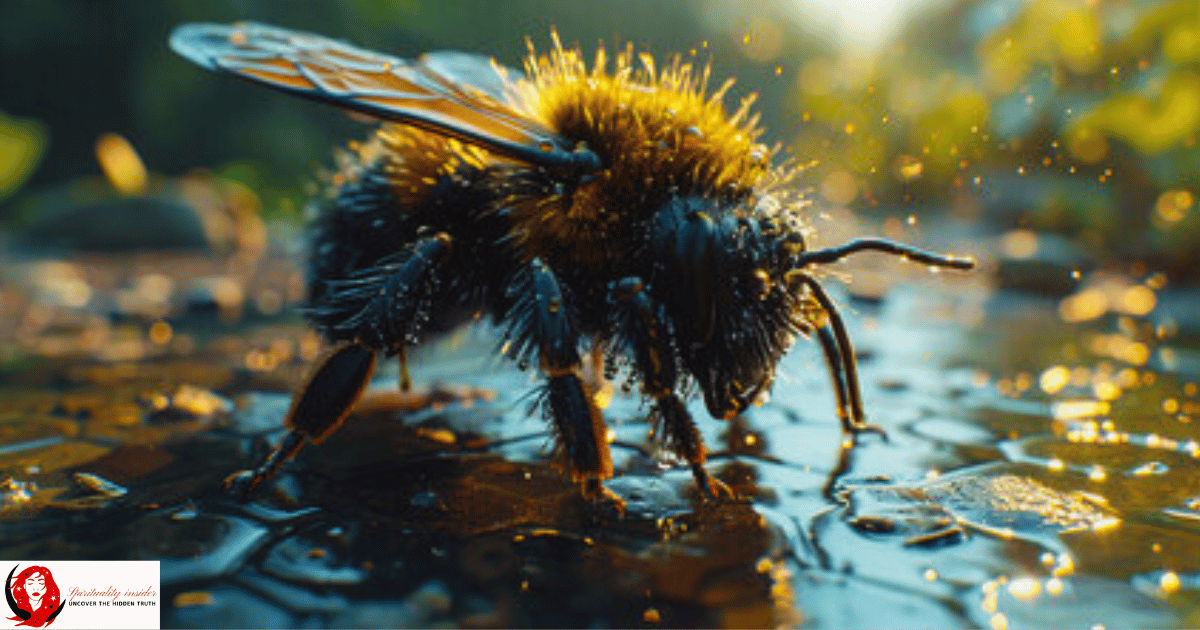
<point x="391" y="196"/>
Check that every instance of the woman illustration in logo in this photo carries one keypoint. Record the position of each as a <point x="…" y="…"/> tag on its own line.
<point x="33" y="597"/>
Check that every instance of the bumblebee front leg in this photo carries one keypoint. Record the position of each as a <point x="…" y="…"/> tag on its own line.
<point x="655" y="360"/>
<point x="540" y="322"/>
<point x="839" y="356"/>
<point x="336" y="383"/>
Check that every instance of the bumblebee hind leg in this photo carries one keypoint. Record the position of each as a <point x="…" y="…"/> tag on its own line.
<point x="371" y="311"/>
<point x="318" y="409"/>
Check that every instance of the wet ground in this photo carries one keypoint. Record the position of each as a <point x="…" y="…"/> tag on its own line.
<point x="1040" y="471"/>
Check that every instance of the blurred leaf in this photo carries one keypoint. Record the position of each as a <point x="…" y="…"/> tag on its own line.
<point x="22" y="143"/>
<point x="1150" y="124"/>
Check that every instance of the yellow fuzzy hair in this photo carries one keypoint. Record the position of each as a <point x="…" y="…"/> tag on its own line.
<point x="661" y="131"/>
<point x="656" y="123"/>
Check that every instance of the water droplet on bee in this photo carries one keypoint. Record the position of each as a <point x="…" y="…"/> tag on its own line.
<point x="695" y="132"/>
<point x="523" y="365"/>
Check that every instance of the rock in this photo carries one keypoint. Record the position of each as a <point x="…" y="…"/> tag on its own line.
<point x="1041" y="262"/>
<point x="114" y="224"/>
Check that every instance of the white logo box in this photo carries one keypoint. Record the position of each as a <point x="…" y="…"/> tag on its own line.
<point x="81" y="594"/>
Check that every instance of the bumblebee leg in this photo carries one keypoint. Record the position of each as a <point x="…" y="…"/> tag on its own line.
<point x="656" y="362"/>
<point x="405" y="379"/>
<point x="540" y="322"/>
<point x="372" y="312"/>
<point x="317" y="410"/>
<point x="839" y="355"/>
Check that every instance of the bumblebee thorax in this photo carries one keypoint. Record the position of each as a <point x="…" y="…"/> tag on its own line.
<point x="653" y="129"/>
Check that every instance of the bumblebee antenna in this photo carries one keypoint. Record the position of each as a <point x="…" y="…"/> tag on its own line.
<point x="834" y="254"/>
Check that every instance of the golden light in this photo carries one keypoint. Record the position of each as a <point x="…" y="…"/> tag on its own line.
<point x="603" y="396"/>
<point x="1122" y="348"/>
<point x="1053" y="379"/>
<point x="1020" y="243"/>
<point x="1169" y="582"/>
<point x="1064" y="410"/>
<point x="1025" y="588"/>
<point x="1054" y="586"/>
<point x="1172" y="205"/>
<point x="1084" y="306"/>
<point x="160" y="333"/>
<point x="1066" y="565"/>
<point x="1106" y="390"/>
<point x="121" y="165"/>
<point x="909" y="168"/>
<point x="1078" y="35"/>
<point x="1137" y="300"/>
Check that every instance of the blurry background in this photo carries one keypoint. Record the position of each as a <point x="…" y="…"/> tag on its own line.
<point x="150" y="217"/>
<point x="1070" y="116"/>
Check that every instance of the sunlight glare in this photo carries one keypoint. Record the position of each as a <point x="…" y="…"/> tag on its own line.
<point x="866" y="26"/>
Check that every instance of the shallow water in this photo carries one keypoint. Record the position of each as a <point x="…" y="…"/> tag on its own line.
<point x="1038" y="474"/>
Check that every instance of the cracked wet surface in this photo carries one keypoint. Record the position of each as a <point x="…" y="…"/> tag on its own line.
<point x="1031" y="478"/>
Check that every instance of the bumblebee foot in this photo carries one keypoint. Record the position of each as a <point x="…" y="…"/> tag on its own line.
<point x="711" y="488"/>
<point x="603" y="498"/>
<point x="242" y="484"/>
<point x="859" y="429"/>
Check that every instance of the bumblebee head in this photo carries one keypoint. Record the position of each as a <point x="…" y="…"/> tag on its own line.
<point x="718" y="271"/>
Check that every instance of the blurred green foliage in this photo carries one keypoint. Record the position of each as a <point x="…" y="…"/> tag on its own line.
<point x="1072" y="115"/>
<point x="22" y="143"/>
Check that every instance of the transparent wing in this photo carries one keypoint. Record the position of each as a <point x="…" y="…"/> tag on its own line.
<point x="475" y="72"/>
<point x="454" y="94"/>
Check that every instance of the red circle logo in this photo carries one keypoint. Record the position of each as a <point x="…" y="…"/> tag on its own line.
<point x="33" y="596"/>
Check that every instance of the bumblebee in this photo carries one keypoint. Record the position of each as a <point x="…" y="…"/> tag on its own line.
<point x="614" y="207"/>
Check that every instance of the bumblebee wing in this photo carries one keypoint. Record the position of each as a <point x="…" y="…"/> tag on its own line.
<point x="453" y="94"/>
<point x="476" y="72"/>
